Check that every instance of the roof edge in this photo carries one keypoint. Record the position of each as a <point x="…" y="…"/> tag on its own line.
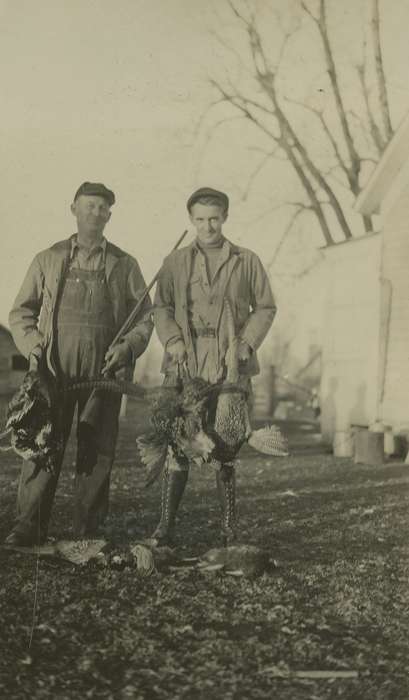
<point x="395" y="155"/>
<point x="348" y="241"/>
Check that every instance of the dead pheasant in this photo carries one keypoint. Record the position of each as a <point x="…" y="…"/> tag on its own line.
<point x="185" y="421"/>
<point x="177" y="417"/>
<point x="237" y="560"/>
<point x="232" y="424"/>
<point x="31" y="424"/>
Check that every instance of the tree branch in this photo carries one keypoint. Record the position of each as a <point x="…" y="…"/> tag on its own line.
<point x="287" y="230"/>
<point x="380" y="73"/>
<point x="243" y="104"/>
<point x="258" y="169"/>
<point x="276" y="207"/>
<point x="290" y="140"/>
<point x="327" y="131"/>
<point x="233" y="51"/>
<point x="321" y="23"/>
<point x="316" y="204"/>
<point x="284" y="142"/>
<point x="200" y="122"/>
<point x="373" y="127"/>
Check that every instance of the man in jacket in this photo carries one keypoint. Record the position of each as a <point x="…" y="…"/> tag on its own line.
<point x="74" y="298"/>
<point x="189" y="321"/>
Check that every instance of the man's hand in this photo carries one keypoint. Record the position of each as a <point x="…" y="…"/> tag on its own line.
<point x="177" y="350"/>
<point x="35" y="358"/>
<point x="33" y="363"/>
<point x="238" y="352"/>
<point x="244" y="351"/>
<point x="118" y="356"/>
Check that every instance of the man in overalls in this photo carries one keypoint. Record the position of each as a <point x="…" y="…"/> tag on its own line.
<point x="75" y="297"/>
<point x="188" y="316"/>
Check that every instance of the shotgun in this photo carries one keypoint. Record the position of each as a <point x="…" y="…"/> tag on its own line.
<point x="127" y="323"/>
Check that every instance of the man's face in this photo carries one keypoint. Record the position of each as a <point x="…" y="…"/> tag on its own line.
<point x="208" y="220"/>
<point x="92" y="213"/>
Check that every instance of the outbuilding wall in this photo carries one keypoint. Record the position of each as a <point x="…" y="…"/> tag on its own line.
<point x="349" y="384"/>
<point x="394" y="374"/>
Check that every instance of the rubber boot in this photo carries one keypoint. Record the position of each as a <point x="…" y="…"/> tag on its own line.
<point x="173" y="486"/>
<point x="226" y="487"/>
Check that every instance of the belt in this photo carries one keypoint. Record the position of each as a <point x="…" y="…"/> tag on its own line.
<point x="204" y="332"/>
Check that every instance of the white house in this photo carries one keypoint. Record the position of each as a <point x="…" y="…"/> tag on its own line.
<point x="350" y="354"/>
<point x="366" y="352"/>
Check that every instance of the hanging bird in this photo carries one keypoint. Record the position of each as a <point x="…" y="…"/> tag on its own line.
<point x="177" y="417"/>
<point x="232" y="423"/>
<point x="198" y="422"/>
<point x="184" y="420"/>
<point x="31" y="422"/>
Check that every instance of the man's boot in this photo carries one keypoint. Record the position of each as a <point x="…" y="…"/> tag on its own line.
<point x="226" y="487"/>
<point x="173" y="486"/>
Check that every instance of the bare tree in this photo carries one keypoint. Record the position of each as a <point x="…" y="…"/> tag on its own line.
<point x="380" y="74"/>
<point x="266" y="106"/>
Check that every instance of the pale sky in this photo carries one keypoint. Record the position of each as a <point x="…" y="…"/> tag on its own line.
<point x="110" y="91"/>
<point x="100" y="91"/>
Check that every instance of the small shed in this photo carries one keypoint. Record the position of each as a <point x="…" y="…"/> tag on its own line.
<point x="366" y="351"/>
<point x="13" y="365"/>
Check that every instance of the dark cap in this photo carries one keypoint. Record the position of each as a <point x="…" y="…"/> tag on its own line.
<point x="96" y="189"/>
<point x="208" y="192"/>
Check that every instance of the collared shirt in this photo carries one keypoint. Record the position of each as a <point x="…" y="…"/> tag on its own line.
<point x="204" y="297"/>
<point x="204" y="290"/>
<point x="91" y="259"/>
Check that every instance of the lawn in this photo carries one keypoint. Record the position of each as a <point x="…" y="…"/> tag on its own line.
<point x="337" y="599"/>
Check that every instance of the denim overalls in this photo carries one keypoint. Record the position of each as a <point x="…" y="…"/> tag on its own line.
<point x="84" y="329"/>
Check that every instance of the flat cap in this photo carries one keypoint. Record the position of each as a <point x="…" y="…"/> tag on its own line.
<point x="208" y="192"/>
<point x="97" y="189"/>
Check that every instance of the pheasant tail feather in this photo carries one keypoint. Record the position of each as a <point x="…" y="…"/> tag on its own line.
<point x="269" y="441"/>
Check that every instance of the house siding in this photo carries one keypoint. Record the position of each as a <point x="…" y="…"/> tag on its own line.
<point x="395" y="273"/>
<point x="349" y="386"/>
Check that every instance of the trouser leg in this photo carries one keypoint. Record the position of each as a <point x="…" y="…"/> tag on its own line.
<point x="37" y="487"/>
<point x="226" y="487"/>
<point x="173" y="486"/>
<point x="95" y="457"/>
<point x="35" y="498"/>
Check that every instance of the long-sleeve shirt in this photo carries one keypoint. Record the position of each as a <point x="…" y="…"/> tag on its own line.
<point x="186" y="300"/>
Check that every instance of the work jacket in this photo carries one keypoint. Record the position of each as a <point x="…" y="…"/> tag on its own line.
<point x="240" y="278"/>
<point x="32" y="318"/>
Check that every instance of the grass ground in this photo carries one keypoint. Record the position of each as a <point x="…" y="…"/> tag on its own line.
<point x="338" y="599"/>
